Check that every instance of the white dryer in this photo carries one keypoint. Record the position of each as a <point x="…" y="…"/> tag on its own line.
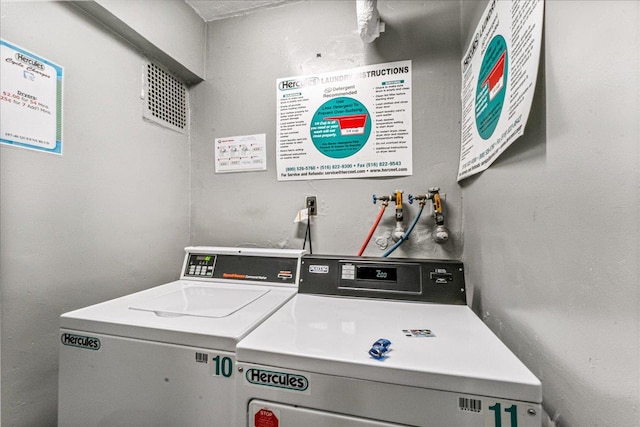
<point x="165" y="356"/>
<point x="309" y="363"/>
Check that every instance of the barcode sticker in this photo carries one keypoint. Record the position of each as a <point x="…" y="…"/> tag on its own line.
<point x="202" y="358"/>
<point x="470" y="405"/>
<point x="418" y="333"/>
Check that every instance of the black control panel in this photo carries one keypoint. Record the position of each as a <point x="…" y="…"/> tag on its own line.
<point x="200" y="265"/>
<point x="408" y="279"/>
<point x="254" y="268"/>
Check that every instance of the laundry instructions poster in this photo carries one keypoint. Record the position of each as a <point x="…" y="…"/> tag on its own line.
<point x="499" y="71"/>
<point x="345" y="124"/>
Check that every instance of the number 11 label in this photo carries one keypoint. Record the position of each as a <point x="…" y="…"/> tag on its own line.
<point x="499" y="416"/>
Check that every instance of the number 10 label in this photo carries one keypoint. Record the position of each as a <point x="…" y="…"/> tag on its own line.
<point x="222" y="366"/>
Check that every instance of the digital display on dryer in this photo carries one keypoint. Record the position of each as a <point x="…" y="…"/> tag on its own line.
<point x="387" y="274"/>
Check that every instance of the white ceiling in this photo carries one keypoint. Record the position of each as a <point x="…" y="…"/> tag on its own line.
<point x="211" y="10"/>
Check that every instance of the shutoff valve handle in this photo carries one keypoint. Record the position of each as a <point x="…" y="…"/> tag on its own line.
<point x="421" y="198"/>
<point x="381" y="198"/>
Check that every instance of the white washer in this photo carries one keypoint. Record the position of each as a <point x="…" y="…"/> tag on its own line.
<point x="308" y="364"/>
<point x="166" y="356"/>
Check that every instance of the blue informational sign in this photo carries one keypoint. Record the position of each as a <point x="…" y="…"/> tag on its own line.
<point x="30" y="100"/>
<point x="499" y="72"/>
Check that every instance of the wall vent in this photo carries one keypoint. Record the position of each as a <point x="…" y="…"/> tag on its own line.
<point x="165" y="98"/>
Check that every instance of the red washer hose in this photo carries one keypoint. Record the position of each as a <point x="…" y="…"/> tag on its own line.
<point x="373" y="228"/>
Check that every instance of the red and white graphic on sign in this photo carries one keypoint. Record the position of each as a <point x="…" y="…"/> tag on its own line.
<point x="350" y="125"/>
<point x="265" y="418"/>
<point x="495" y="79"/>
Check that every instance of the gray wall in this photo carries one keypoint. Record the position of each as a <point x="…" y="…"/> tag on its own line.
<point x="175" y="28"/>
<point x="552" y="244"/>
<point x="108" y="218"/>
<point x="171" y="32"/>
<point x="246" y="55"/>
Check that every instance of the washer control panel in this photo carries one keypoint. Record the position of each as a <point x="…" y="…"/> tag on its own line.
<point x="200" y="265"/>
<point x="250" y="265"/>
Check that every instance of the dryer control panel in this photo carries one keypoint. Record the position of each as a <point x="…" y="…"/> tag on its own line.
<point x="426" y="280"/>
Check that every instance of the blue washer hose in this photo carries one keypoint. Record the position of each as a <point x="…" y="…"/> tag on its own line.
<point x="406" y="235"/>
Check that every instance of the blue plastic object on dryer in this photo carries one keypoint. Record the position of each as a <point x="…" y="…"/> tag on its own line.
<point x="380" y="348"/>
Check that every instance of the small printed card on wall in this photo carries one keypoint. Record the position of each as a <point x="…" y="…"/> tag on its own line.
<point x="241" y="153"/>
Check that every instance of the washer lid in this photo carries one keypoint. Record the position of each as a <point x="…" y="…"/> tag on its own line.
<point x="207" y="315"/>
<point x="200" y="301"/>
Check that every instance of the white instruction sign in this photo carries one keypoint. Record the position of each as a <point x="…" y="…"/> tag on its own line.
<point x="30" y="100"/>
<point x="499" y="72"/>
<point x="345" y="124"/>
<point x="240" y="153"/>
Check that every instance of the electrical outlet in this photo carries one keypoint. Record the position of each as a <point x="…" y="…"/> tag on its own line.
<point x="311" y="204"/>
